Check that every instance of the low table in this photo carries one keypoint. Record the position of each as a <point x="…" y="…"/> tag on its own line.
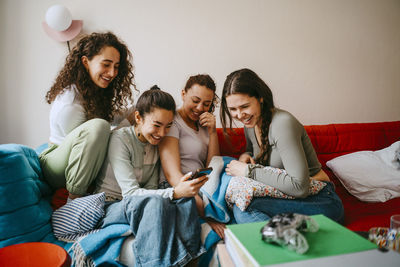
<point x="372" y="258"/>
<point x="335" y="245"/>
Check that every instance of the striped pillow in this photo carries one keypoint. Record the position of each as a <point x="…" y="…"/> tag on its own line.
<point x="79" y="216"/>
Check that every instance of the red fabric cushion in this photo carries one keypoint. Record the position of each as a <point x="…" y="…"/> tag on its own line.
<point x="232" y="143"/>
<point x="59" y="199"/>
<point x="334" y="140"/>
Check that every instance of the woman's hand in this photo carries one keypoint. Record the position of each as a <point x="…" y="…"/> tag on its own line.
<point x="189" y="188"/>
<point x="246" y="158"/>
<point x="236" y="168"/>
<point x="321" y="176"/>
<point x="208" y="120"/>
<point x="217" y="227"/>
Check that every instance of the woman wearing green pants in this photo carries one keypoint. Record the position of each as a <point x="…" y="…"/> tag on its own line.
<point x="91" y="92"/>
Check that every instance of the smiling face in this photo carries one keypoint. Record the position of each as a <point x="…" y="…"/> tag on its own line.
<point x="103" y="67"/>
<point x="154" y="126"/>
<point x="244" y="108"/>
<point x="196" y="100"/>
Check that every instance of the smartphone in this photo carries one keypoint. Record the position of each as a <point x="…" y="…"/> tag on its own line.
<point x="201" y="172"/>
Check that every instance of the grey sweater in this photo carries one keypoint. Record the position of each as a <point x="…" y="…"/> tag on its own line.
<point x="131" y="167"/>
<point x="290" y="149"/>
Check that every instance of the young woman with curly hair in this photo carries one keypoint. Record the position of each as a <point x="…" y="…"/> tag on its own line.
<point x="92" y="91"/>
<point x="274" y="138"/>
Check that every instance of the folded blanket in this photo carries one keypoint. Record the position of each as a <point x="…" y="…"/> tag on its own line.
<point x="215" y="207"/>
<point x="100" y="248"/>
<point x="214" y="190"/>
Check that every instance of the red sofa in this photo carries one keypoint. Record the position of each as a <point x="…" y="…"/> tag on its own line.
<point x="334" y="140"/>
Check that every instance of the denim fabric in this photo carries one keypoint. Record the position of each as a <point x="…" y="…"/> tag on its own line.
<point x="326" y="202"/>
<point x="167" y="233"/>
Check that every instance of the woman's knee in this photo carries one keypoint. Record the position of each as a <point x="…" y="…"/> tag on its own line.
<point x="156" y="202"/>
<point x="337" y="211"/>
<point x="249" y="215"/>
<point x="333" y="206"/>
<point x="99" y="128"/>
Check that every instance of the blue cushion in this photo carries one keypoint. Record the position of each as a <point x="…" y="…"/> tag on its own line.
<point x="41" y="148"/>
<point x="24" y="211"/>
<point x="79" y="216"/>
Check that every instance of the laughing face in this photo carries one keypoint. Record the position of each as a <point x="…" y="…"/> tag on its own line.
<point x="244" y="108"/>
<point x="103" y="67"/>
<point x="154" y="126"/>
<point x="196" y="100"/>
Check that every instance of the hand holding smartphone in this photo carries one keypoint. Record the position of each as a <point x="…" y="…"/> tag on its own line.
<point x="201" y="172"/>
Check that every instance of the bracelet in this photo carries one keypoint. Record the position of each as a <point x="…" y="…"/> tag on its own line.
<point x="250" y="168"/>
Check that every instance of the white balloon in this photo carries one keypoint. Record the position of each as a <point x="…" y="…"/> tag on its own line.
<point x="58" y="17"/>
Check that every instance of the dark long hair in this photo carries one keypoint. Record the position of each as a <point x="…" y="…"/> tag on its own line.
<point x="247" y="82"/>
<point x="104" y="103"/>
<point x="154" y="98"/>
<point x="208" y="82"/>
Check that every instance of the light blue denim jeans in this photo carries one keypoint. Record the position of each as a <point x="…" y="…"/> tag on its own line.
<point x="167" y="233"/>
<point x="326" y="202"/>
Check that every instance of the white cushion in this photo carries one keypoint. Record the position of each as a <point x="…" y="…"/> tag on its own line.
<point x="390" y="155"/>
<point x="372" y="176"/>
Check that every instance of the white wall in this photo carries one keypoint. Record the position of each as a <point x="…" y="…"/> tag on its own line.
<point x="326" y="61"/>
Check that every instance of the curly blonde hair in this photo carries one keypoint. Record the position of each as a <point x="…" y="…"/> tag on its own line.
<point x="97" y="103"/>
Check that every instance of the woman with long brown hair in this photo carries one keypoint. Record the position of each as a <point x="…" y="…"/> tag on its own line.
<point x="279" y="152"/>
<point x="90" y="92"/>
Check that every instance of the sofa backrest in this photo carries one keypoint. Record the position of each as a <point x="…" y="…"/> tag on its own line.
<point x="232" y="143"/>
<point x="329" y="140"/>
<point x="334" y="140"/>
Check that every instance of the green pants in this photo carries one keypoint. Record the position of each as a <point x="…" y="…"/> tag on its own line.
<point x="75" y="163"/>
